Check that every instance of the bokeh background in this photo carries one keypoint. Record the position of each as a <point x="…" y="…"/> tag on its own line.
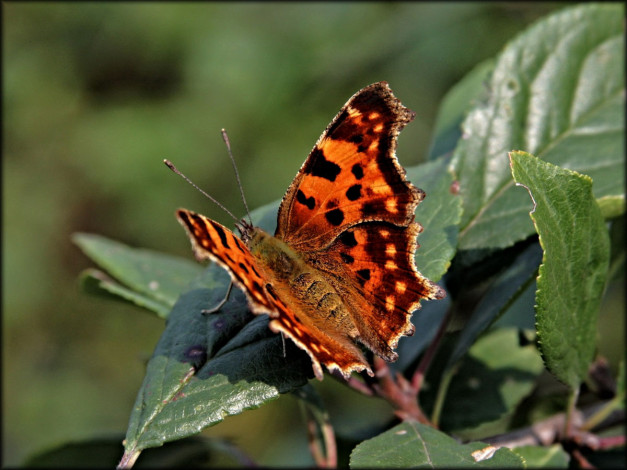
<point x="96" y="95"/>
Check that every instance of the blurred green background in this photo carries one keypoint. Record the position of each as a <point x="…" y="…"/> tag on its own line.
<point x="96" y="95"/>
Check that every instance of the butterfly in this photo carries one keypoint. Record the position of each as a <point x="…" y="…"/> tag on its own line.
<point x="339" y="271"/>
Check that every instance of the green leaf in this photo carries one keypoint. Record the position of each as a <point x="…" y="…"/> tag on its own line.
<point x="557" y="91"/>
<point x="98" y="283"/>
<point x="207" y="367"/>
<point x="150" y="279"/>
<point x="574" y="267"/>
<point x="543" y="457"/>
<point x="411" y="444"/>
<point x="503" y="291"/>
<point x="492" y="380"/>
<point x="439" y="214"/>
<point x="612" y="206"/>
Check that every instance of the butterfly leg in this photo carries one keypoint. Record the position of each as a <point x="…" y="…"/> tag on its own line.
<point x="283" y="341"/>
<point x="221" y="304"/>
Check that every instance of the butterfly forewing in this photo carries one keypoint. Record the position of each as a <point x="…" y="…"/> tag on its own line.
<point x="211" y="240"/>
<point x="351" y="175"/>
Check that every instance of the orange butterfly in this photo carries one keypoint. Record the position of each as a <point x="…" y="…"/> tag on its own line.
<point x="339" y="269"/>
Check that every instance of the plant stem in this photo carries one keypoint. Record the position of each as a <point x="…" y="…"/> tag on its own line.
<point x="441" y="395"/>
<point x="594" y="420"/>
<point x="570" y="410"/>
<point x="128" y="459"/>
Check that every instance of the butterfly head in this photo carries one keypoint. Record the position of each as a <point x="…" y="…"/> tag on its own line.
<point x="246" y="230"/>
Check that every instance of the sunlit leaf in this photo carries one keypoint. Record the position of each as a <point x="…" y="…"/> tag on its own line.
<point x="208" y="367"/>
<point x="574" y="267"/>
<point x="411" y="444"/>
<point x="557" y="91"/>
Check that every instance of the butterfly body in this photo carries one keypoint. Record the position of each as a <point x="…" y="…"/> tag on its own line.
<point x="301" y="286"/>
<point x="339" y="269"/>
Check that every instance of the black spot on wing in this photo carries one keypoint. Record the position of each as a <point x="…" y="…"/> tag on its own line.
<point x="354" y="192"/>
<point x="318" y="165"/>
<point x="369" y="209"/>
<point x="348" y="239"/>
<point x="239" y="245"/>
<point x="255" y="271"/>
<point x="348" y="259"/>
<point x="363" y="276"/>
<point x="335" y="217"/>
<point x="270" y="290"/>
<point x="357" y="171"/>
<point x="308" y="202"/>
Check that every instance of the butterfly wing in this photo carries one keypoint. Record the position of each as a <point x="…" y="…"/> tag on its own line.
<point x="351" y="175"/>
<point x="386" y="287"/>
<point x="211" y="240"/>
<point x="350" y="212"/>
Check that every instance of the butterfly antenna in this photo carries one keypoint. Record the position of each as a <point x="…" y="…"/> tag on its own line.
<point x="225" y="137"/>
<point x="171" y="166"/>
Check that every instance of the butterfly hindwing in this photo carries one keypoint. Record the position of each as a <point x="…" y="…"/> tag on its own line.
<point x="374" y="264"/>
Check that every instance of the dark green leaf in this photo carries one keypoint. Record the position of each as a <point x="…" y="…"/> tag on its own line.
<point x="412" y="444"/>
<point x="574" y="267"/>
<point x="557" y="91"/>
<point x="503" y="291"/>
<point x="207" y="367"/>
<point x="93" y="453"/>
<point x="491" y="381"/>
<point x="427" y="321"/>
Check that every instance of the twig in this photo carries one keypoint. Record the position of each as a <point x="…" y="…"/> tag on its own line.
<point x="550" y="430"/>
<point x="355" y="384"/>
<point x="399" y="393"/>
<point x="582" y="462"/>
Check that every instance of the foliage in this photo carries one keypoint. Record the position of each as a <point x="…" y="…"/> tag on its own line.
<point x="546" y="114"/>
